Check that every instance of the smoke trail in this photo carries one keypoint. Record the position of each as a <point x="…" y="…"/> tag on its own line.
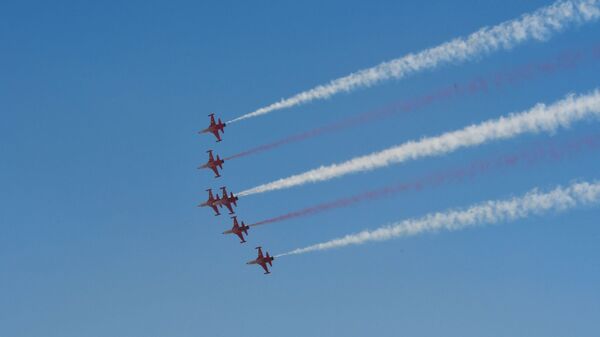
<point x="476" y="85"/>
<point x="531" y="156"/>
<point x="538" y="25"/>
<point x="490" y="212"/>
<point x="540" y="118"/>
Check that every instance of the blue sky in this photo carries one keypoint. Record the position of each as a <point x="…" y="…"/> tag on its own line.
<point x="99" y="230"/>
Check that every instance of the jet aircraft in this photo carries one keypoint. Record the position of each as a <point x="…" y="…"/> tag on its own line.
<point x="227" y="201"/>
<point x="262" y="260"/>
<point x="213" y="164"/>
<point x="238" y="230"/>
<point x="211" y="202"/>
<point x="214" y="127"/>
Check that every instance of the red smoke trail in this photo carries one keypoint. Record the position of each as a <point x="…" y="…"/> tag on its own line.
<point x="565" y="60"/>
<point x="549" y="152"/>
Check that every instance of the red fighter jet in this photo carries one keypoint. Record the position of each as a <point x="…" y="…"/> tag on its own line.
<point x="211" y="202"/>
<point x="214" y="127"/>
<point x="227" y="201"/>
<point x="213" y="164"/>
<point x="238" y="230"/>
<point x="262" y="260"/>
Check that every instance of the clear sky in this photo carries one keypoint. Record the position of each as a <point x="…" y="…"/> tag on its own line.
<point x="100" y="235"/>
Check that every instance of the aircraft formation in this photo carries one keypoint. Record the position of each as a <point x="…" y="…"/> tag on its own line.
<point x="228" y="200"/>
<point x="544" y="22"/>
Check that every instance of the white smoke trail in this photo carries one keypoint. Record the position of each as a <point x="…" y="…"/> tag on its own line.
<point x="538" y="25"/>
<point x="540" y="118"/>
<point x="490" y="212"/>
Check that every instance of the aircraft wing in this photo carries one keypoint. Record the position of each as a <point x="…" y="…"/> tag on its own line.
<point x="260" y="254"/>
<point x="216" y="133"/>
<point x="214" y="168"/>
<point x="264" y="265"/>
<point x="215" y="209"/>
<point x="210" y="157"/>
<point x="239" y="234"/>
<point x="212" y="119"/>
<point x="228" y="205"/>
